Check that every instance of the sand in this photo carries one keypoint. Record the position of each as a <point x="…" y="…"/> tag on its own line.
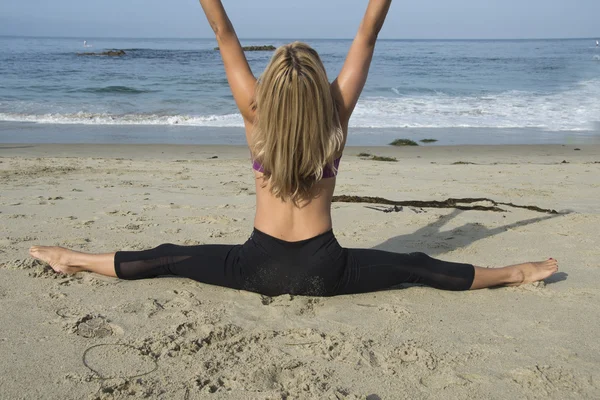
<point x="92" y="337"/>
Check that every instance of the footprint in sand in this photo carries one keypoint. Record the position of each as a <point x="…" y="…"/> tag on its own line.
<point x="148" y="308"/>
<point x="410" y="353"/>
<point x="94" y="326"/>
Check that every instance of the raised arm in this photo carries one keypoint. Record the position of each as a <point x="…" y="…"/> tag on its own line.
<point x="240" y="77"/>
<point x="353" y="76"/>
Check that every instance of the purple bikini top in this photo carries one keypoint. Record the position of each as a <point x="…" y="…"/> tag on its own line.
<point x="328" y="172"/>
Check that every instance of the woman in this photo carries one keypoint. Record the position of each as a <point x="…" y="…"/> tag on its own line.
<point x="296" y="127"/>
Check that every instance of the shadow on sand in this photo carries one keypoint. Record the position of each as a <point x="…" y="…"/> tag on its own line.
<point x="431" y="240"/>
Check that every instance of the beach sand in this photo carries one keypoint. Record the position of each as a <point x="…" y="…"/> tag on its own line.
<point x="92" y="337"/>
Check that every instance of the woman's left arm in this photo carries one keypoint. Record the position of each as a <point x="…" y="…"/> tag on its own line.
<point x="241" y="80"/>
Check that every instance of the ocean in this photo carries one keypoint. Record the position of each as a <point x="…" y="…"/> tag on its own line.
<point x="175" y="91"/>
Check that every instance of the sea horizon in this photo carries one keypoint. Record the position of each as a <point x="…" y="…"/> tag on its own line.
<point x="307" y="38"/>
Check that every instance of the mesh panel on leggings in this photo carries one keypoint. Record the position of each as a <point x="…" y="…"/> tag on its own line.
<point x="140" y="269"/>
<point x="442" y="274"/>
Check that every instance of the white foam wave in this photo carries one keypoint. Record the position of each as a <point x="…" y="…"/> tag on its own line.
<point x="229" y="120"/>
<point x="577" y="109"/>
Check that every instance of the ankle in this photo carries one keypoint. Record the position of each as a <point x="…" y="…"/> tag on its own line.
<point x="515" y="275"/>
<point x="71" y="259"/>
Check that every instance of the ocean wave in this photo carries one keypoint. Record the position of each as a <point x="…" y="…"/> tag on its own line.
<point x="84" y="118"/>
<point x="466" y="119"/>
<point x="575" y="110"/>
<point x="572" y="110"/>
<point x="114" y="89"/>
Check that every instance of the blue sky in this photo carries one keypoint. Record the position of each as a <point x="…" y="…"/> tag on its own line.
<point x="303" y="18"/>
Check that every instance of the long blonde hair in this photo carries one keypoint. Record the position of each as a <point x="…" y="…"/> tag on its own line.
<point x="297" y="129"/>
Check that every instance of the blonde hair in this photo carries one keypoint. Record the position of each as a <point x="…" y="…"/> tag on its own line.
<point x="297" y="130"/>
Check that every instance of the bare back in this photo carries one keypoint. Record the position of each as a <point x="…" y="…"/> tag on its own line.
<point x="274" y="216"/>
<point x="290" y="222"/>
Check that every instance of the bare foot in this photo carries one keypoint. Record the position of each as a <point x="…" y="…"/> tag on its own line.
<point x="533" y="271"/>
<point x="59" y="258"/>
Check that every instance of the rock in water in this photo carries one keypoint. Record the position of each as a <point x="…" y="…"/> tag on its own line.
<point x="256" y="48"/>
<point x="110" y="53"/>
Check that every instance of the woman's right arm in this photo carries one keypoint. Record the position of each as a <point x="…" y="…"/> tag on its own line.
<point x="350" y="82"/>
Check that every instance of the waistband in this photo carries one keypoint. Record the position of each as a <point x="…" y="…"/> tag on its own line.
<point x="259" y="235"/>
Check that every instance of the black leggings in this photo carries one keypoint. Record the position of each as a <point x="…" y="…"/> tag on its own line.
<point x="314" y="267"/>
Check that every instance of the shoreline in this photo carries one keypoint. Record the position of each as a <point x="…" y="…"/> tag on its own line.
<point x="485" y="154"/>
<point x="27" y="132"/>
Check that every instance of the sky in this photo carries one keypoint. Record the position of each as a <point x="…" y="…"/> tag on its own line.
<point x="424" y="19"/>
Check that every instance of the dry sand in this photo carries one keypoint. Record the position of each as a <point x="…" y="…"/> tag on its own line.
<point x="92" y="337"/>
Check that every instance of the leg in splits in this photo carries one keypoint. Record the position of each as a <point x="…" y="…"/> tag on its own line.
<point x="65" y="261"/>
<point x="372" y="270"/>
<point x="370" y="273"/>
<point x="210" y="264"/>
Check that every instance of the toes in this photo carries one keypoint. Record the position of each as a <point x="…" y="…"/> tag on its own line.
<point x="35" y="249"/>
